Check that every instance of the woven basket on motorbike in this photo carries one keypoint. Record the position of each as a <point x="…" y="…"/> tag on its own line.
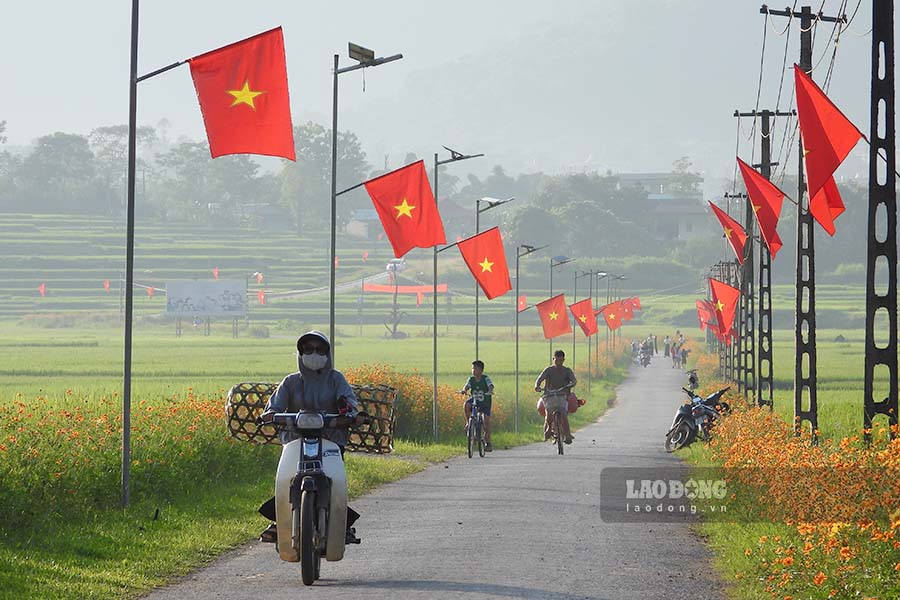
<point x="377" y="436"/>
<point x="246" y="401"/>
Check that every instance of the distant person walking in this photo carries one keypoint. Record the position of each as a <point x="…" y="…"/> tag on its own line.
<point x="666" y="343"/>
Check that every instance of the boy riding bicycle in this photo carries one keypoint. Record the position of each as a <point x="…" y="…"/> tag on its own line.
<point x="481" y="385"/>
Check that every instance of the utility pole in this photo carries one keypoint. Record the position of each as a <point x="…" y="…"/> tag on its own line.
<point x="805" y="376"/>
<point x="746" y="350"/>
<point x="763" y="384"/>
<point x="882" y="195"/>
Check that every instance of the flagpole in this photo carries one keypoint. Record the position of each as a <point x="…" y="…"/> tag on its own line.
<point x="332" y="270"/>
<point x="527" y="250"/>
<point x="454" y="157"/>
<point x="129" y="256"/>
<point x="516" y="412"/>
<point x="365" y="58"/>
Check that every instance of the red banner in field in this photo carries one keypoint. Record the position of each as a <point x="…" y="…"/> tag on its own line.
<point x="403" y="289"/>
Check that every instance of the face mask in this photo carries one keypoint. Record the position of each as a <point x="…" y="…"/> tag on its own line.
<point x="313" y="361"/>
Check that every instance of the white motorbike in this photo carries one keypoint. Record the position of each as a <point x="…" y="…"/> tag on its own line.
<point x="311" y="492"/>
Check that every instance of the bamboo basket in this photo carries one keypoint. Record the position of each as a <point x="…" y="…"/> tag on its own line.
<point x="247" y="400"/>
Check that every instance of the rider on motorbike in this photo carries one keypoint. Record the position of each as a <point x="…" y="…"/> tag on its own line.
<point x="557" y="377"/>
<point x="315" y="386"/>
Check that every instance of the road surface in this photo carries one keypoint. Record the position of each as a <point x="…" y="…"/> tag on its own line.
<point x="520" y="523"/>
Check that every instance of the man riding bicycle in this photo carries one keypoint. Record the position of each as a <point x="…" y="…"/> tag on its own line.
<point x="558" y="381"/>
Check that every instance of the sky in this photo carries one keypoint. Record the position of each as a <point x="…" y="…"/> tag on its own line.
<point x="537" y="85"/>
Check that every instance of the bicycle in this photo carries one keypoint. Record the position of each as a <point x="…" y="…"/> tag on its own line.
<point x="555" y="421"/>
<point x="475" y="424"/>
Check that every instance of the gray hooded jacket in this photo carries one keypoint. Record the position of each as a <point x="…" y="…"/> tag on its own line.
<point x="313" y="390"/>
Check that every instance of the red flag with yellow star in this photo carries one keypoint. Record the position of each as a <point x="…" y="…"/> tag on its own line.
<point x="706" y="315"/>
<point x="828" y="137"/>
<point x="725" y="300"/>
<point x="522" y="304"/>
<point x="612" y="314"/>
<point x="554" y="317"/>
<point x="765" y="199"/>
<point x="826" y="206"/>
<point x="243" y="94"/>
<point x="627" y="309"/>
<point x="583" y="312"/>
<point x="407" y="209"/>
<point x="484" y="256"/>
<point x="734" y="233"/>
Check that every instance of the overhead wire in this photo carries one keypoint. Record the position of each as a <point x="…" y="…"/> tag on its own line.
<point x="786" y="27"/>
<point x="852" y="17"/>
<point x="737" y="152"/>
<point x="762" y="61"/>
<point x="775" y="120"/>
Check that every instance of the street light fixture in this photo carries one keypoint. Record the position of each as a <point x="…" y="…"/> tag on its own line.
<point x="615" y="292"/>
<point x="574" y="300"/>
<point x="556" y="261"/>
<point x="521" y="250"/>
<point x="454" y="157"/>
<point x="365" y="58"/>
<point x="491" y="203"/>
<point x="596" y="292"/>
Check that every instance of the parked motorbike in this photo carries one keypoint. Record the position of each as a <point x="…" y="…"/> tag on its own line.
<point x="311" y="492"/>
<point x="695" y="418"/>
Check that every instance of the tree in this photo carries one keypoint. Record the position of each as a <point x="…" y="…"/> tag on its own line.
<point x="110" y="147"/>
<point x="682" y="181"/>
<point x="533" y="225"/>
<point x="9" y="166"/>
<point x="195" y="187"/>
<point x="306" y="183"/>
<point x="59" y="175"/>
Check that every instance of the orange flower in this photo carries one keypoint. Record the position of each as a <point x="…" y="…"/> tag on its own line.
<point x="819" y="578"/>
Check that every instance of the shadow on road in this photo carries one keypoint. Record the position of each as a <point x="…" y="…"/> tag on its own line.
<point x="480" y="589"/>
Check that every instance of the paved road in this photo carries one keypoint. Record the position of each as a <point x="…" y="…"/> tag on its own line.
<point x="521" y="523"/>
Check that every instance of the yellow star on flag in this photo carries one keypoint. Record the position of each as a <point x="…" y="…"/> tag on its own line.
<point x="553" y="315"/>
<point x="719" y="305"/>
<point x="805" y="152"/>
<point x="612" y="316"/>
<point x="727" y="232"/>
<point x="244" y="95"/>
<point x="583" y="318"/>
<point x="404" y="208"/>
<point x="486" y="265"/>
<point x="756" y="207"/>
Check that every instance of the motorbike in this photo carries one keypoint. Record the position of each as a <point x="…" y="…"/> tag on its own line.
<point x="645" y="359"/>
<point x="695" y="417"/>
<point x="311" y="492"/>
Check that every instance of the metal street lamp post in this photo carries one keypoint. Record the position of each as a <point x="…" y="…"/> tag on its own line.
<point x="556" y="261"/>
<point x="617" y="294"/>
<point x="574" y="300"/>
<point x="365" y="58"/>
<point x="596" y="291"/>
<point x="491" y="203"/>
<point x="454" y="157"/>
<point x="521" y="250"/>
